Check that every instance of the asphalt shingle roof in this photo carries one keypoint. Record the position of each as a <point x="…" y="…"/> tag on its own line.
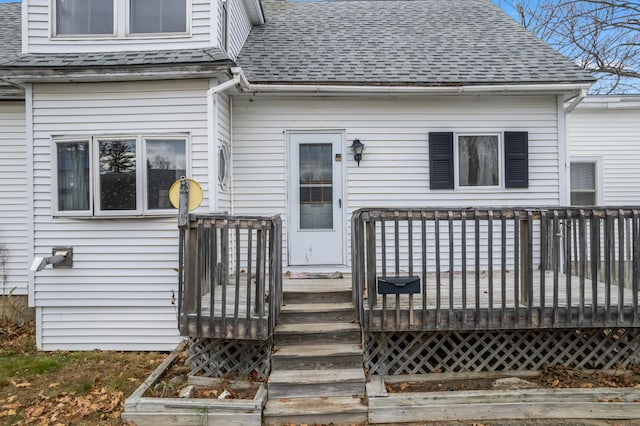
<point x="419" y="42"/>
<point x="109" y="59"/>
<point x="11" y="47"/>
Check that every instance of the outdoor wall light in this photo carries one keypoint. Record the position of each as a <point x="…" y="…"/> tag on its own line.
<point x="357" y="148"/>
<point x="61" y="257"/>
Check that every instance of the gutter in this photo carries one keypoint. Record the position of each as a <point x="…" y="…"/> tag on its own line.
<point x="576" y="100"/>
<point x="417" y="90"/>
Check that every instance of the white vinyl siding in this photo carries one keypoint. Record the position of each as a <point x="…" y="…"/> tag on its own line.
<point x="614" y="136"/>
<point x="223" y="137"/>
<point x="108" y="328"/>
<point x="14" y="216"/>
<point x="394" y="170"/>
<point x="122" y="267"/>
<point x="39" y="30"/>
<point x="239" y="26"/>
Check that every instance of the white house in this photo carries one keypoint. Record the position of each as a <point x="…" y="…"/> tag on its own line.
<point x="13" y="171"/>
<point x="261" y="102"/>
<point x="604" y="141"/>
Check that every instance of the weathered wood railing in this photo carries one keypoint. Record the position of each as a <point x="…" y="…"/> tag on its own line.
<point x="230" y="277"/>
<point x="496" y="268"/>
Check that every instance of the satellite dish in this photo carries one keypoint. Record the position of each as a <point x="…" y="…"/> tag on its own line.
<point x="195" y="194"/>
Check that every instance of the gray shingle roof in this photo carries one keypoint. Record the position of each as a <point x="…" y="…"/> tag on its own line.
<point x="110" y="59"/>
<point x="421" y="42"/>
<point x="11" y="46"/>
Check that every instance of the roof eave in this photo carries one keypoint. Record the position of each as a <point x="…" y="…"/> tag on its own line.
<point x="114" y="73"/>
<point x="11" y="93"/>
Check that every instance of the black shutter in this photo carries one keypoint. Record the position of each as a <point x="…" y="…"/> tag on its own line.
<point x="441" y="160"/>
<point x="516" y="159"/>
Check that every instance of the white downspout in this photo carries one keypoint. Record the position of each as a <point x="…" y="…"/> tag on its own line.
<point x="576" y="100"/>
<point x="212" y="130"/>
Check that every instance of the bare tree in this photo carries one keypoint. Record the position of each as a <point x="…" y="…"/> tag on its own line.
<point x="601" y="36"/>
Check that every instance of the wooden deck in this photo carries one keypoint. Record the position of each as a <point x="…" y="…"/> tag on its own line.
<point x="475" y="303"/>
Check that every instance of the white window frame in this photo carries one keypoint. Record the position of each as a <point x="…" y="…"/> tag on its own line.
<point x="145" y="178"/>
<point x="121" y="25"/>
<point x="94" y="210"/>
<point x="456" y="161"/>
<point x="53" y="24"/>
<point x="130" y="34"/>
<point x="54" y="177"/>
<point x="96" y="177"/>
<point x="598" y="177"/>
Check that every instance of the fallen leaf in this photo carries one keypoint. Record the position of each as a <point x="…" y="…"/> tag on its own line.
<point x="284" y="400"/>
<point x="54" y="385"/>
<point x="404" y="386"/>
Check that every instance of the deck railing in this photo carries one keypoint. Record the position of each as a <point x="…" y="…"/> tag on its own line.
<point x="230" y="276"/>
<point x="495" y="268"/>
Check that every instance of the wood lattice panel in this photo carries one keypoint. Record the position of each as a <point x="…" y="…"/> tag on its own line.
<point x="452" y="351"/>
<point x="228" y="358"/>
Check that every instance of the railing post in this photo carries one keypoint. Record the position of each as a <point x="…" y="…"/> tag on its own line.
<point x="524" y="260"/>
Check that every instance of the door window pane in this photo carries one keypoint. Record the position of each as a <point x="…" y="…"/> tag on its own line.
<point x="84" y="17"/>
<point x="478" y="161"/>
<point x="158" y="16"/>
<point x="73" y="176"/>
<point x="583" y="183"/>
<point x="316" y="186"/>
<point x="117" y="165"/>
<point x="166" y="163"/>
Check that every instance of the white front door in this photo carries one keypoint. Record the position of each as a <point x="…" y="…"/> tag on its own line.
<point x="316" y="219"/>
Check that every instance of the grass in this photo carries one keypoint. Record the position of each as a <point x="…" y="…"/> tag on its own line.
<point x="75" y="388"/>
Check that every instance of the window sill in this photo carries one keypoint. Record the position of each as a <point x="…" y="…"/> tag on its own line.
<point x="117" y="217"/>
<point x="112" y="37"/>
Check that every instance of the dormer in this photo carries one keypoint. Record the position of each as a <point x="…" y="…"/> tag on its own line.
<point x="75" y="26"/>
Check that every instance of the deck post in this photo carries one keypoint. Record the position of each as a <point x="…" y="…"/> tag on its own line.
<point x="524" y="260"/>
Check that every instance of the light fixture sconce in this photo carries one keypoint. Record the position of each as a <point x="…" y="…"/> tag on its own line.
<point x="357" y="148"/>
<point x="61" y="257"/>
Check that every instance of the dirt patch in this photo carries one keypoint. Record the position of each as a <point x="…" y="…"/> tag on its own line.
<point x="551" y="377"/>
<point x="70" y="388"/>
<point x="175" y="379"/>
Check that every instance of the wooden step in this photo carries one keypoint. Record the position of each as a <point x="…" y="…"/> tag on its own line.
<point x="316" y="383"/>
<point x="323" y="356"/>
<point x="318" y="295"/>
<point x="338" y="411"/>
<point x="325" y="332"/>
<point x="316" y="312"/>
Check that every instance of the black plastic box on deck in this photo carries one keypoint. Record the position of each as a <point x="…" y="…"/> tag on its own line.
<point x="399" y="285"/>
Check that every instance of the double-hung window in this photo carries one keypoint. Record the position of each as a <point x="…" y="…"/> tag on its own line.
<point x="157" y="16"/>
<point x="120" y="18"/>
<point x="584" y="182"/>
<point x="111" y="176"/>
<point x="478" y="160"/>
<point x="85" y="17"/>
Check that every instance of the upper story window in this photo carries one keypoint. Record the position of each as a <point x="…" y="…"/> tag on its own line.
<point x="109" y="176"/>
<point x="158" y="16"/>
<point x="82" y="17"/>
<point x="105" y="18"/>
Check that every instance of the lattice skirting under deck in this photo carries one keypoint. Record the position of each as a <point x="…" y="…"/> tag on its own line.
<point x="456" y="351"/>
<point x="229" y="358"/>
